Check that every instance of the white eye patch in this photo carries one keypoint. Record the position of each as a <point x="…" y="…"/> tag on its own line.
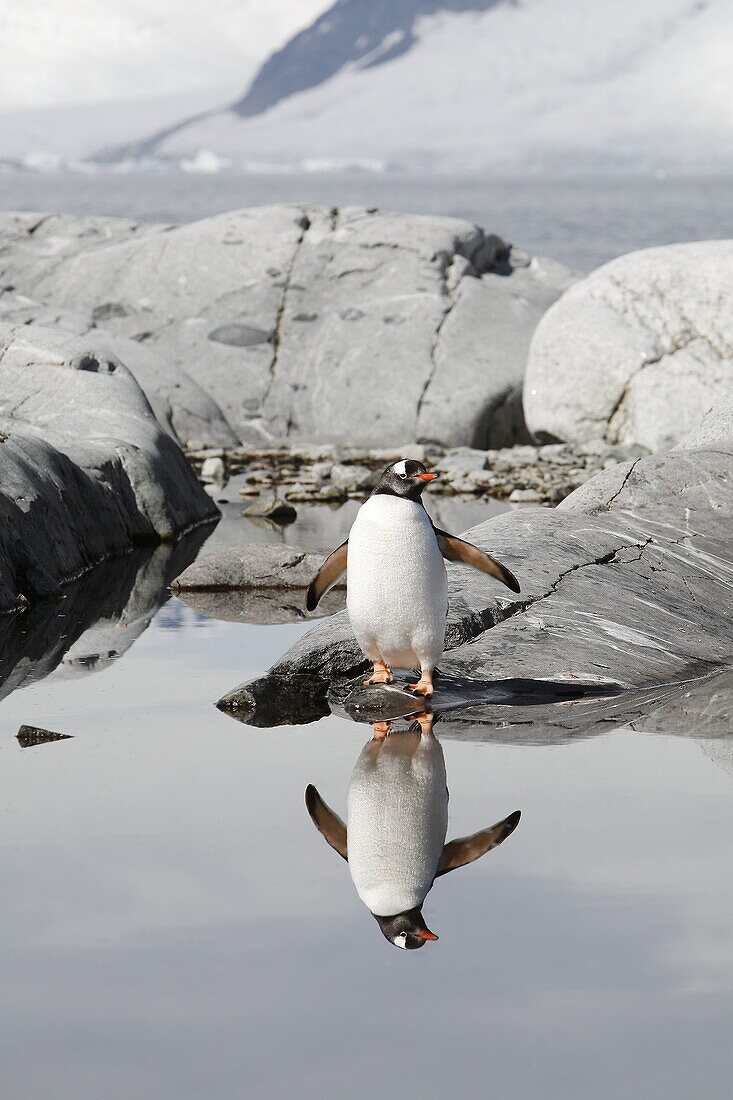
<point x="400" y="468"/>
<point x="401" y="940"/>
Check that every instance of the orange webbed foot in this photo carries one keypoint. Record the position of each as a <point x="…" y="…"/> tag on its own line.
<point x="380" y="675"/>
<point x="422" y="687"/>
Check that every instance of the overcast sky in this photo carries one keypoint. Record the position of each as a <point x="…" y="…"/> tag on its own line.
<point x="59" y="52"/>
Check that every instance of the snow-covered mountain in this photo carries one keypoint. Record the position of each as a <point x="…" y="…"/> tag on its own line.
<point x="474" y="83"/>
<point x="78" y="74"/>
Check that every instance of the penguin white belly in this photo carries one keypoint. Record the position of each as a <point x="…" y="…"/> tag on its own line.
<point x="397" y="821"/>
<point x="396" y="585"/>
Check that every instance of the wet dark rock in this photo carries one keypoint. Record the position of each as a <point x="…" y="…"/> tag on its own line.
<point x="100" y="617"/>
<point x="29" y="736"/>
<point x="369" y="703"/>
<point x="259" y="703"/>
<point x="700" y="707"/>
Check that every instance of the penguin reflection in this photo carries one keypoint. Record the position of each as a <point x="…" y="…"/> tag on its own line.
<point x="397" y="812"/>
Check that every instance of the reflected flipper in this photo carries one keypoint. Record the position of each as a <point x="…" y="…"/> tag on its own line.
<point x="327" y="576"/>
<point x="329" y="824"/>
<point x="457" y="853"/>
<point x="454" y="549"/>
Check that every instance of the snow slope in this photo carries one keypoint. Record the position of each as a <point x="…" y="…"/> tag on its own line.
<point x="78" y="74"/>
<point x="539" y="82"/>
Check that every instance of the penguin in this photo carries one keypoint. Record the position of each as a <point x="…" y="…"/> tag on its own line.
<point x="397" y="813"/>
<point x="396" y="585"/>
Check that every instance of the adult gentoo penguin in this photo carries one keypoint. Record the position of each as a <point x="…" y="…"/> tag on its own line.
<point x="396" y="586"/>
<point x="397" y="813"/>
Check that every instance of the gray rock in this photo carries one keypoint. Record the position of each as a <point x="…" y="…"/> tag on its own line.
<point x="273" y="508"/>
<point x="255" y="566"/>
<point x="525" y="496"/>
<point x="85" y="469"/>
<point x="629" y="584"/>
<point x="460" y="462"/>
<point x="486" y="328"/>
<point x="213" y="470"/>
<point x="290" y="318"/>
<point x="352" y="478"/>
<point x="716" y="426"/>
<point x="30" y="736"/>
<point x="182" y="408"/>
<point x="262" y="606"/>
<point x="638" y="351"/>
<point x="103" y="614"/>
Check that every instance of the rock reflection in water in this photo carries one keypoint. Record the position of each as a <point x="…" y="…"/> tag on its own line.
<point x="96" y="619"/>
<point x="397" y="818"/>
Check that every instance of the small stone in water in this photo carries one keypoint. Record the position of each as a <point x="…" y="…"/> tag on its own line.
<point x="213" y="469"/>
<point x="274" y="508"/>
<point x="525" y="496"/>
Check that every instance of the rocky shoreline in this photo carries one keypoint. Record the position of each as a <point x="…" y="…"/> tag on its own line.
<point x="315" y="473"/>
<point x="626" y="588"/>
<point x="300" y="350"/>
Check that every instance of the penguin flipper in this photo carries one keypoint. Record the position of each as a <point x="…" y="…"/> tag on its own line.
<point x="329" y="824"/>
<point x="327" y="576"/>
<point x="454" y="549"/>
<point x="457" y="853"/>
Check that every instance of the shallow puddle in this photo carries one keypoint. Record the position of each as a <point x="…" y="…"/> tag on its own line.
<point x="175" y="927"/>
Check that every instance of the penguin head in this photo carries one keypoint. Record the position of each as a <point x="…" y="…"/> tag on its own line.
<point x="406" y="930"/>
<point x="406" y="478"/>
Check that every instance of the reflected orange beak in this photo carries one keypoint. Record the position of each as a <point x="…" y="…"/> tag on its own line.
<point x="426" y="477"/>
<point x="426" y="935"/>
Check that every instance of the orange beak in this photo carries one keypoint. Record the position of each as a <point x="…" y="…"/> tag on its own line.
<point x="426" y="935"/>
<point x="426" y="477"/>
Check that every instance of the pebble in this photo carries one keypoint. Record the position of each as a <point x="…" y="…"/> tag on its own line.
<point x="213" y="469"/>
<point x="274" y="508"/>
<point x="352" y="478"/>
<point x="524" y="474"/>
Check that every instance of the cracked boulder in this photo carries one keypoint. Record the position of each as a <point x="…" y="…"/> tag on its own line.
<point x="86" y="471"/>
<point x="638" y="351"/>
<point x="627" y="585"/>
<point x="35" y="249"/>
<point x="303" y="322"/>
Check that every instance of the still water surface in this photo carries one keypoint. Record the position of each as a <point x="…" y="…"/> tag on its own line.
<point x="174" y="926"/>
<point x="581" y="219"/>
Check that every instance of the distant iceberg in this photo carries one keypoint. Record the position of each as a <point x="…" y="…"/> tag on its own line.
<point x="204" y="161"/>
